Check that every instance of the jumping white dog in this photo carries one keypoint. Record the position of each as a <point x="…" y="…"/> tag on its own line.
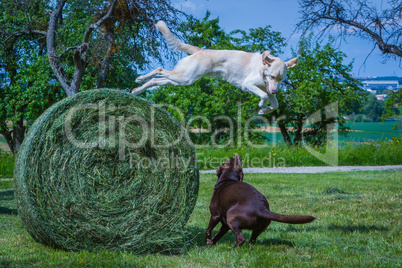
<point x="252" y="72"/>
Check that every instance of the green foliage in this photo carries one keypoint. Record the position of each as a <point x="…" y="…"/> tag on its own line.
<point x="391" y="106"/>
<point x="374" y="108"/>
<point x="258" y="40"/>
<point x="213" y="105"/>
<point x="319" y="79"/>
<point x="206" y="33"/>
<point x="32" y="91"/>
<point x="367" y="153"/>
<point x="6" y="165"/>
<point x="30" y="86"/>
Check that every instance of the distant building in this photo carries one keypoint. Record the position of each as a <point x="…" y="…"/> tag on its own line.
<point x="372" y="84"/>
<point x="381" y="96"/>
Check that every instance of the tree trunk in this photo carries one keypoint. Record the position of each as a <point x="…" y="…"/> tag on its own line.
<point x="4" y="130"/>
<point x="72" y="86"/>
<point x="18" y="134"/>
<point x="298" y="133"/>
<point x="55" y="64"/>
<point x="285" y="133"/>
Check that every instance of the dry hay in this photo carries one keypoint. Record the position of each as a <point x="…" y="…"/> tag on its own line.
<point x="104" y="169"/>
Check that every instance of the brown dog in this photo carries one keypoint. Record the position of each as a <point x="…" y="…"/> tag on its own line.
<point x="238" y="205"/>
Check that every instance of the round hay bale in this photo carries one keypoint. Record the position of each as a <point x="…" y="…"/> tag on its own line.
<point x="104" y="169"/>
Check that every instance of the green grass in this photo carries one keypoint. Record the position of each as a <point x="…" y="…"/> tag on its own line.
<point x="371" y="130"/>
<point x="358" y="225"/>
<point x="369" y="144"/>
<point x="387" y="152"/>
<point x="360" y="132"/>
<point x="6" y="165"/>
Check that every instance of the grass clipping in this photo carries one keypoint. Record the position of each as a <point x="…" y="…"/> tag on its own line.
<point x="104" y="169"/>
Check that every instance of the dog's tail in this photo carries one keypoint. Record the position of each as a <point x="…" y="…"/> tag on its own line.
<point x="293" y="219"/>
<point x="172" y="41"/>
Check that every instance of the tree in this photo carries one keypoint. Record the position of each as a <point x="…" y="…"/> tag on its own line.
<point x="213" y="104"/>
<point x="318" y="80"/>
<point x="362" y="18"/>
<point x="374" y="108"/>
<point x="83" y="43"/>
<point x="29" y="92"/>
<point x="69" y="32"/>
<point x="391" y="106"/>
<point x="25" y="90"/>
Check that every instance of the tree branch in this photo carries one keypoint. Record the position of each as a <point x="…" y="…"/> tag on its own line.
<point x="51" y="49"/>
<point x="99" y="22"/>
<point x="67" y="50"/>
<point x="80" y="54"/>
<point x="384" y="47"/>
<point x="21" y="33"/>
<point x="383" y="29"/>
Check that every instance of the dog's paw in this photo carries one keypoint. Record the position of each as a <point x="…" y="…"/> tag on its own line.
<point x="140" y="79"/>
<point x="262" y="103"/>
<point x="209" y="243"/>
<point x="135" y="91"/>
<point x="265" y="110"/>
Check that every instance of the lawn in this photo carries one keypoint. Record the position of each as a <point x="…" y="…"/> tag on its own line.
<point x="371" y="130"/>
<point x="358" y="225"/>
<point x="374" y="153"/>
<point x="369" y="144"/>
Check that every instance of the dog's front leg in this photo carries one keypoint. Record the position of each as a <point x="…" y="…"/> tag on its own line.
<point x="213" y="221"/>
<point x="273" y="107"/>
<point x="224" y="229"/>
<point x="250" y="87"/>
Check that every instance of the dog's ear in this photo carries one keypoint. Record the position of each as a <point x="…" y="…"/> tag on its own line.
<point x="241" y="174"/>
<point x="238" y="166"/>
<point x="291" y="63"/>
<point x="219" y="171"/>
<point x="267" y="58"/>
<point x="237" y="163"/>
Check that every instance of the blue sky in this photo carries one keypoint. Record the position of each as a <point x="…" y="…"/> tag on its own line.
<point x="283" y="15"/>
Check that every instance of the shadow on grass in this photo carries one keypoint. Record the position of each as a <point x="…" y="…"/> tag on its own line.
<point x="4" y="197"/>
<point x="356" y="228"/>
<point x="8" y="211"/>
<point x="197" y="238"/>
<point x="291" y="228"/>
<point x="274" y="242"/>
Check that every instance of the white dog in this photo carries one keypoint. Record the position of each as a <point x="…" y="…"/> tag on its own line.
<point x="256" y="73"/>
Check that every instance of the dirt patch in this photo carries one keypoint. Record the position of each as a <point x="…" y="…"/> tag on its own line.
<point x="4" y="146"/>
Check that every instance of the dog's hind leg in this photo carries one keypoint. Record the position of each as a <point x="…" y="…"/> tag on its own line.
<point x="145" y="77"/>
<point x="153" y="83"/>
<point x="257" y="231"/>
<point x="233" y="223"/>
<point x="239" y="236"/>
